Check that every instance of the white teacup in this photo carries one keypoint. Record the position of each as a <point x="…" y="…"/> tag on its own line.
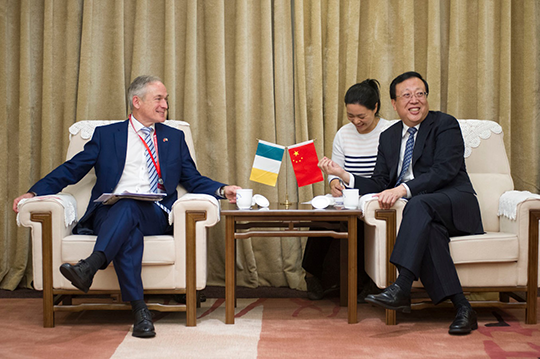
<point x="350" y="198"/>
<point x="244" y="198"/>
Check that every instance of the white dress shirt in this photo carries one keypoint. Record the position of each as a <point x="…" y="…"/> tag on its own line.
<point x="135" y="177"/>
<point x="409" y="175"/>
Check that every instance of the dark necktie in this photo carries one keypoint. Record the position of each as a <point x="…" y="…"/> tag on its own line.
<point x="408" y="155"/>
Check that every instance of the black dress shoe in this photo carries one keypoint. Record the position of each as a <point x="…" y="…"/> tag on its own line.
<point x="393" y="298"/>
<point x="465" y="321"/>
<point x="369" y="288"/>
<point x="143" y="326"/>
<point x="80" y="275"/>
<point x="314" y="288"/>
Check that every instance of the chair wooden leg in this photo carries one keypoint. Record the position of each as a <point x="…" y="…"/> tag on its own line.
<point x="45" y="219"/>
<point x="389" y="215"/>
<point x="532" y="277"/>
<point x="192" y="217"/>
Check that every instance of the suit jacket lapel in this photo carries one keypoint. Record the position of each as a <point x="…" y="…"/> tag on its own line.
<point x="120" y="149"/>
<point x="425" y="129"/>
<point x="395" y="149"/>
<point x="163" y="149"/>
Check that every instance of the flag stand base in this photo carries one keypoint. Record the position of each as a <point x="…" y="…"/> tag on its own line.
<point x="286" y="203"/>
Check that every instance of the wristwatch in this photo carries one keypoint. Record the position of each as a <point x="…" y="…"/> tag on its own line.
<point x="221" y="192"/>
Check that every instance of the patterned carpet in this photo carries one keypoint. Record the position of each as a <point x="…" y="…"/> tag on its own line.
<point x="264" y="328"/>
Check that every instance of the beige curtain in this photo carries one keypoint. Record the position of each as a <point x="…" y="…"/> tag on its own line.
<point x="244" y="70"/>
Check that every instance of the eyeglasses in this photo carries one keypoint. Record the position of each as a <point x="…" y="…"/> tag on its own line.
<point x="420" y="95"/>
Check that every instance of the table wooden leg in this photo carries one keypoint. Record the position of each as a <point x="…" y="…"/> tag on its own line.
<point x="343" y="272"/>
<point x="230" y="265"/>
<point x="353" y="270"/>
<point x="532" y="276"/>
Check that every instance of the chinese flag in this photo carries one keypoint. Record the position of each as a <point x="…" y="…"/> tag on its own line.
<point x="304" y="160"/>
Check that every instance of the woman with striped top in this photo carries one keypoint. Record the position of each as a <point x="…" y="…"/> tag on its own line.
<point x="355" y="150"/>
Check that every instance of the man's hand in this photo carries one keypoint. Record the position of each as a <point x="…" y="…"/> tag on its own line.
<point x="230" y="193"/>
<point x="330" y="167"/>
<point x="389" y="197"/>
<point x="18" y="199"/>
<point x="336" y="189"/>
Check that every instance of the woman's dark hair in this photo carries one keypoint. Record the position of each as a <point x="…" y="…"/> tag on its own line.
<point x="403" y="77"/>
<point x="365" y="93"/>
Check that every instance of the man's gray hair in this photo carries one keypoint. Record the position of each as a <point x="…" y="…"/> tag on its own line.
<point x="138" y="88"/>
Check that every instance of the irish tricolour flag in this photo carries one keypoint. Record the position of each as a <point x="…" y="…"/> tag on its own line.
<point x="267" y="163"/>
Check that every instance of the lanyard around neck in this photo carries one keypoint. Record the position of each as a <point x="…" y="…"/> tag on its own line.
<point x="155" y="161"/>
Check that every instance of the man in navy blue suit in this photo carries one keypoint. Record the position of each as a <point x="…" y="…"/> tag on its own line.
<point x="140" y="155"/>
<point x="421" y="158"/>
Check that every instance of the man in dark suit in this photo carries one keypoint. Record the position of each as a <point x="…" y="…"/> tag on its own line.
<point x="421" y="158"/>
<point x="137" y="155"/>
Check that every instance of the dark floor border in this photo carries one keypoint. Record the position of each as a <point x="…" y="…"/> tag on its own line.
<point x="209" y="292"/>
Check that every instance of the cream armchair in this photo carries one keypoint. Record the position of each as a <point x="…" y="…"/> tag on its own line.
<point x="171" y="264"/>
<point x="504" y="259"/>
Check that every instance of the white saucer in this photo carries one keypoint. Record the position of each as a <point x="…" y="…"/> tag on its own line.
<point x="320" y="202"/>
<point x="261" y="200"/>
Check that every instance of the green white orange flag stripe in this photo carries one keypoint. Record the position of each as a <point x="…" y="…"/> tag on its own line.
<point x="267" y="163"/>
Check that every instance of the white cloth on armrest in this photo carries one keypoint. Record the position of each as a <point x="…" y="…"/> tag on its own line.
<point x="66" y="200"/>
<point x="195" y="197"/>
<point x="509" y="201"/>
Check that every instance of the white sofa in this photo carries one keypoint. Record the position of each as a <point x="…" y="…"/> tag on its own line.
<point x="504" y="259"/>
<point x="171" y="264"/>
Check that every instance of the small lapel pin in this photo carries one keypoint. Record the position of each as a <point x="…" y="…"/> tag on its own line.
<point x="165" y="139"/>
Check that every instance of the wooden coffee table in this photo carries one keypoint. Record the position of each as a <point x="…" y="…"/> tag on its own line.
<point x="295" y="220"/>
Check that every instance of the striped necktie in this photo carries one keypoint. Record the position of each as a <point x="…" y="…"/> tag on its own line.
<point x="152" y="171"/>
<point x="408" y="155"/>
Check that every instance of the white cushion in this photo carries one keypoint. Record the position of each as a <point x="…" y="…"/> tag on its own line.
<point x="158" y="250"/>
<point x="489" y="247"/>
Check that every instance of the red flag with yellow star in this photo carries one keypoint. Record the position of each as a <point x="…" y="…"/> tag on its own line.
<point x="304" y="160"/>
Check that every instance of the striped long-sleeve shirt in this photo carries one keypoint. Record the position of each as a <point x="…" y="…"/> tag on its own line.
<point x="356" y="152"/>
